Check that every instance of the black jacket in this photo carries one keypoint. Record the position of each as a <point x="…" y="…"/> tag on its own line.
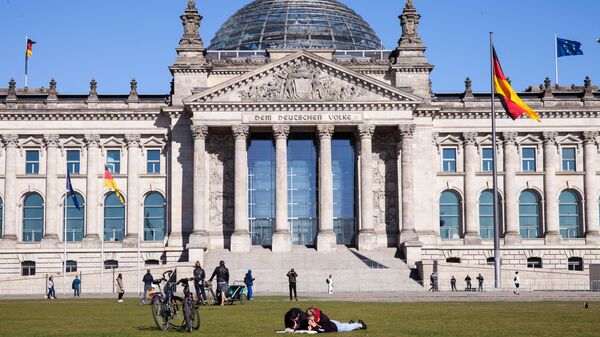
<point x="222" y="274"/>
<point x="302" y="320"/>
<point x="148" y="279"/>
<point x="199" y="275"/>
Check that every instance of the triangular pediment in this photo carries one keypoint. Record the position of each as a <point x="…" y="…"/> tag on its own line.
<point x="570" y="139"/>
<point x="72" y="142"/>
<point x="31" y="142"/>
<point x="303" y="77"/>
<point x="530" y="139"/>
<point x="153" y="142"/>
<point x="113" y="142"/>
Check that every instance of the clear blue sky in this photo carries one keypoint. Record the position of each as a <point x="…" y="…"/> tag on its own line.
<point x="117" y="40"/>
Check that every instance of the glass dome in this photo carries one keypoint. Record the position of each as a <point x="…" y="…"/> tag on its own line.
<point x="266" y="24"/>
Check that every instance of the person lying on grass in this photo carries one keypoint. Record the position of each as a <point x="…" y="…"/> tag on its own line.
<point x="295" y="320"/>
<point x="318" y="321"/>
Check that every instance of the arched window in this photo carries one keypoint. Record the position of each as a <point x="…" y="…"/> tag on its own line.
<point x="75" y="218"/>
<point x="450" y="215"/>
<point x="1" y="215"/>
<point x="154" y="217"/>
<point x="114" y="218"/>
<point x="27" y="268"/>
<point x="486" y="214"/>
<point x="569" y="211"/>
<point x="530" y="224"/>
<point x="33" y="217"/>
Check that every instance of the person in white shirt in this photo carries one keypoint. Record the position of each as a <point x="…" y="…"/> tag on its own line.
<point x="329" y="284"/>
<point x="51" y="292"/>
<point x="517" y="282"/>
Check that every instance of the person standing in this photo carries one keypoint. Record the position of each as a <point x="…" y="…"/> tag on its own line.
<point x="292" y="275"/>
<point x="517" y="280"/>
<point x="76" y="285"/>
<point x="199" y="277"/>
<point x="453" y="283"/>
<point x="329" y="284"/>
<point x="222" y="274"/>
<point x="432" y="289"/>
<point x="50" y="286"/>
<point x="119" y="286"/>
<point x="249" y="282"/>
<point x="468" y="280"/>
<point x="147" y="279"/>
<point x="479" y="283"/>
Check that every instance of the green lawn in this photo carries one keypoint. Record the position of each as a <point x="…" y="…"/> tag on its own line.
<point x="87" y="317"/>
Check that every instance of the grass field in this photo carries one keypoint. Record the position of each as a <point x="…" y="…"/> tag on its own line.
<point x="100" y="317"/>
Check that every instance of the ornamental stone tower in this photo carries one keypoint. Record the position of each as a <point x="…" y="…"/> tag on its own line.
<point x="410" y="68"/>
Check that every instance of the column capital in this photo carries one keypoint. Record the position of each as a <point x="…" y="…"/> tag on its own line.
<point x="406" y="130"/>
<point x="240" y="131"/>
<point x="51" y="140"/>
<point x="92" y="139"/>
<point x="325" y="131"/>
<point x="133" y="140"/>
<point x="510" y="137"/>
<point x="366" y="130"/>
<point x="470" y="138"/>
<point x="199" y="131"/>
<point x="281" y="131"/>
<point x="10" y="140"/>
<point x="550" y="137"/>
<point x="589" y="137"/>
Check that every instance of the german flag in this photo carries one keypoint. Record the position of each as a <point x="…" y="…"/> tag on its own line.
<point x="29" y="50"/>
<point x="509" y="98"/>
<point x="109" y="182"/>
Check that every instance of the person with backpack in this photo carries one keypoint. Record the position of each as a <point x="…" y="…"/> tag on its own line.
<point x="249" y="282"/>
<point x="329" y="282"/>
<point x="292" y="275"/>
<point x="119" y="287"/>
<point x="468" y="281"/>
<point x="76" y="286"/>
<point x="479" y="283"/>
<point x="199" y="276"/>
<point x="517" y="280"/>
<point x="222" y="274"/>
<point x="147" y="279"/>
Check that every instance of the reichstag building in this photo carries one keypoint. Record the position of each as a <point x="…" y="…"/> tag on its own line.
<point x="293" y="133"/>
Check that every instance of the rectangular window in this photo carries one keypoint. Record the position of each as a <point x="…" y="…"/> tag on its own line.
<point x="32" y="162"/>
<point x="153" y="163"/>
<point x="575" y="263"/>
<point x="449" y="160"/>
<point x="568" y="159"/>
<point x="529" y="159"/>
<point x="73" y="161"/>
<point x="487" y="157"/>
<point x="113" y="161"/>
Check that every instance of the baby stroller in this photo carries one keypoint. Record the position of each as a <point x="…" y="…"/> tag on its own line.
<point x="236" y="292"/>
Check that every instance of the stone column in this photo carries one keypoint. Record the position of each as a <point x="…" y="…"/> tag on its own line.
<point x="52" y="199"/>
<point x="367" y="240"/>
<point x="326" y="240"/>
<point x="471" y="198"/>
<point x="282" y="239"/>
<point x="10" y="192"/>
<point x="240" y="240"/>
<point x="133" y="198"/>
<point x="199" y="237"/>
<point x="590" y="185"/>
<point x="550" y="191"/>
<point x="92" y="230"/>
<point x="511" y="190"/>
<point x="408" y="232"/>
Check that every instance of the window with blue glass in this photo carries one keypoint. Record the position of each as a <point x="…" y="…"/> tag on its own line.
<point x="153" y="164"/>
<point x="33" y="217"/>
<point x="449" y="160"/>
<point x="487" y="159"/>
<point x="450" y="215"/>
<point x="343" y="164"/>
<point x="73" y="161"/>
<point x="529" y="162"/>
<point x="75" y="218"/>
<point x="154" y="217"/>
<point x="302" y="188"/>
<point x="113" y="161"/>
<point x="261" y="188"/>
<point x="569" y="212"/>
<point x="568" y="159"/>
<point x="486" y="214"/>
<point x="114" y="218"/>
<point x="530" y="223"/>
<point x="32" y="162"/>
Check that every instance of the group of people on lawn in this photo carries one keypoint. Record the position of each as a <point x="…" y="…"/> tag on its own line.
<point x="433" y="282"/>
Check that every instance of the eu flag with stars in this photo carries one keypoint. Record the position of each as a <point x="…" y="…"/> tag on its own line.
<point x="71" y="192"/>
<point x="567" y="47"/>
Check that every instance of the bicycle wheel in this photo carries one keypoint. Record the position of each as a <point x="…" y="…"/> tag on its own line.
<point x="188" y="314"/>
<point x="159" y="315"/>
<point x="243" y="299"/>
<point x="196" y="319"/>
<point x="210" y="298"/>
<point x="176" y="317"/>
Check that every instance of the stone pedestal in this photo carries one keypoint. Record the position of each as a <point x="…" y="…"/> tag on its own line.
<point x="91" y="241"/>
<point x="196" y="254"/>
<point x="326" y="241"/>
<point x="240" y="242"/>
<point x="512" y="238"/>
<point x="281" y="242"/>
<point x="412" y="252"/>
<point x="175" y="240"/>
<point x="472" y="239"/>
<point x="367" y="240"/>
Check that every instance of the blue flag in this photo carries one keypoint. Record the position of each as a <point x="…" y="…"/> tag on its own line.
<point x="567" y="47"/>
<point x="70" y="188"/>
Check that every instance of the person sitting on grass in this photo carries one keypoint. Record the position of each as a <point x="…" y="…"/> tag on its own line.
<point x="295" y="320"/>
<point x="318" y="321"/>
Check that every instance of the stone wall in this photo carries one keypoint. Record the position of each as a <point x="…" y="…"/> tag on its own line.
<point x="385" y="195"/>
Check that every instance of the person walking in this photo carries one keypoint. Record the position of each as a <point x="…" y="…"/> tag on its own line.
<point x="249" y="282"/>
<point x="50" y="286"/>
<point x="199" y="277"/>
<point x="292" y="276"/>
<point x="76" y="286"/>
<point x="468" y="280"/>
<point x="119" y="286"/>
<point x="453" y="283"/>
<point x="147" y="279"/>
<point x="479" y="283"/>
<point x="517" y="280"/>
<point x="329" y="282"/>
<point x="222" y="274"/>
<point x="431" y="287"/>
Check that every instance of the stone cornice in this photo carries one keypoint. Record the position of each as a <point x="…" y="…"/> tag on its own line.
<point x="457" y="114"/>
<point x="80" y="115"/>
<point x="303" y="106"/>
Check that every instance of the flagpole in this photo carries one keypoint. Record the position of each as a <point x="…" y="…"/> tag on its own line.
<point x="26" y="60"/>
<point x="497" y="271"/>
<point x="65" y="244"/>
<point x="555" y="61"/>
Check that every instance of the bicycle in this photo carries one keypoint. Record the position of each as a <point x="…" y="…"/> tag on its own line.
<point x="210" y="295"/>
<point x="191" y="314"/>
<point x="166" y="307"/>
